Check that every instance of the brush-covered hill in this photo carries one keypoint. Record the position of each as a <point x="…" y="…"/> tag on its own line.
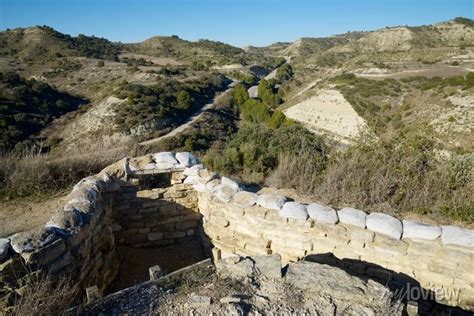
<point x="428" y="43"/>
<point x="43" y="43"/>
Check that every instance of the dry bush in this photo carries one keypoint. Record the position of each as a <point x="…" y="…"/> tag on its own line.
<point x="43" y="296"/>
<point x="401" y="173"/>
<point x="33" y="173"/>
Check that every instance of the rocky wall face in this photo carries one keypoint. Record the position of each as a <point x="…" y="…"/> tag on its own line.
<point x="401" y="254"/>
<point x="156" y="217"/>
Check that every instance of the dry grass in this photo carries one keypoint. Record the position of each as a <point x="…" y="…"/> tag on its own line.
<point x="395" y="175"/>
<point x="43" y="296"/>
<point x="32" y="173"/>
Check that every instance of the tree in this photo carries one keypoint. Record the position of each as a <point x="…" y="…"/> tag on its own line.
<point x="183" y="100"/>
<point x="240" y="95"/>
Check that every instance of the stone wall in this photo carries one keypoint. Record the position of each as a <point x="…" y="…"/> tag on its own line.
<point x="165" y="198"/>
<point x="140" y="202"/>
<point x="427" y="261"/>
<point x="156" y="216"/>
<point x="84" y="247"/>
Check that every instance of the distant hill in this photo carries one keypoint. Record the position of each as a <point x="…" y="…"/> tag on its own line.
<point x="43" y="42"/>
<point x="402" y="43"/>
<point x="202" y="50"/>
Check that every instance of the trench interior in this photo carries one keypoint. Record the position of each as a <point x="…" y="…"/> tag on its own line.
<point x="156" y="228"/>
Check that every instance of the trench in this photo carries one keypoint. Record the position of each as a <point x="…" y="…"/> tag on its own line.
<point x="155" y="222"/>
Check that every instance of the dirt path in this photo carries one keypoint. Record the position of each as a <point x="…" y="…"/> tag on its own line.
<point x="193" y="118"/>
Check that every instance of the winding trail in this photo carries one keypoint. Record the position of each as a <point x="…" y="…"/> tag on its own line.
<point x="193" y="118"/>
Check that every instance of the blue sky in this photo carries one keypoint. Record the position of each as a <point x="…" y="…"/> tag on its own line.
<point x="246" y="22"/>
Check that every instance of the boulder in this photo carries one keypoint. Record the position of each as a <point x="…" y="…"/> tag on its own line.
<point x="4" y="246"/>
<point x="165" y="157"/>
<point x="415" y="230"/>
<point x="323" y="214"/>
<point x="385" y="224"/>
<point x="84" y="199"/>
<point x="193" y="171"/>
<point x="223" y="193"/>
<point x="294" y="210"/>
<point x="235" y="267"/>
<point x="271" y="201"/>
<point x="245" y="199"/>
<point x="268" y="266"/>
<point x="352" y="216"/>
<point x="31" y="240"/>
<point x="230" y="183"/>
<point x="66" y="222"/>
<point x="186" y="159"/>
<point x="314" y="278"/>
<point x="454" y="235"/>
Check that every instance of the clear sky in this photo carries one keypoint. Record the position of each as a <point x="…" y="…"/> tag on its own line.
<point x="245" y="22"/>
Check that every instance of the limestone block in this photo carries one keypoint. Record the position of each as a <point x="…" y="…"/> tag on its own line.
<point x="155" y="272"/>
<point x="191" y="180"/>
<point x="271" y="201"/>
<point x="31" y="240"/>
<point x="66" y="223"/>
<point x="165" y="158"/>
<point x="294" y="210"/>
<point x="235" y="267"/>
<point x="212" y="184"/>
<point x="193" y="171"/>
<point x="385" y="224"/>
<point x="4" y="246"/>
<point x="454" y="235"/>
<point x="322" y="214"/>
<point x="186" y="225"/>
<point x="46" y="254"/>
<point x="230" y="183"/>
<point x="186" y="159"/>
<point x="360" y="234"/>
<point x="352" y="216"/>
<point x="61" y="262"/>
<point x="244" y="199"/>
<point x="93" y="294"/>
<point x="415" y="230"/>
<point x="268" y="266"/>
<point x="223" y="193"/>
<point x="172" y="235"/>
<point x="206" y="175"/>
<point x="149" y="166"/>
<point x="200" y="187"/>
<point x="154" y="236"/>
